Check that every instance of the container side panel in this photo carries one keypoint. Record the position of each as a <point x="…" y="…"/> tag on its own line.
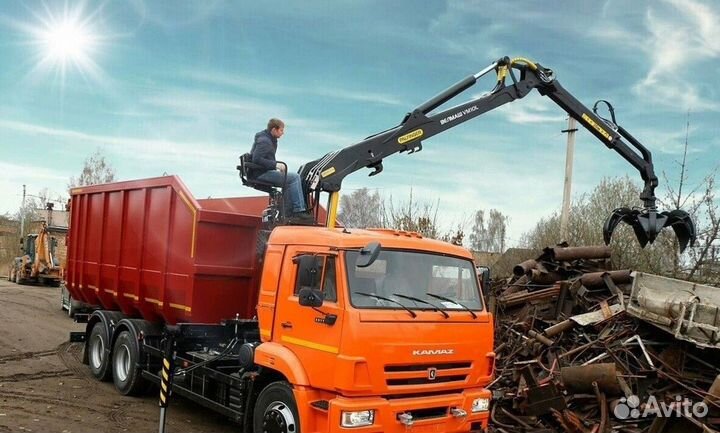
<point x="132" y="217"/>
<point x="112" y="252"/>
<point x="225" y="265"/>
<point x="180" y="258"/>
<point x="148" y="248"/>
<point x="154" y="246"/>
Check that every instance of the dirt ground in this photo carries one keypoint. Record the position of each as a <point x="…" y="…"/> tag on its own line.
<point x="44" y="387"/>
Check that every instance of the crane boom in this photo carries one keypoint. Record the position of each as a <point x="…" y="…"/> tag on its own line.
<point x="327" y="173"/>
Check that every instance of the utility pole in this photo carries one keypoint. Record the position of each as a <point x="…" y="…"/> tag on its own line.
<point x="22" y="214"/>
<point x="569" y="156"/>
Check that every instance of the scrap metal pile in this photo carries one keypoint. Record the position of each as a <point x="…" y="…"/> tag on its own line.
<point x="583" y="348"/>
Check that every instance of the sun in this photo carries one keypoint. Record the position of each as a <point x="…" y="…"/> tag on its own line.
<point x="67" y="41"/>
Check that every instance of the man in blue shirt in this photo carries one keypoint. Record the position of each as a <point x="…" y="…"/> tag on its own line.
<point x="263" y="154"/>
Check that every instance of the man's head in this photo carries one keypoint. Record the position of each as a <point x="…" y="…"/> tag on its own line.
<point x="276" y="127"/>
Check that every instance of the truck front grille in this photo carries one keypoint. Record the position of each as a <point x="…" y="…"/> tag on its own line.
<point x="401" y="375"/>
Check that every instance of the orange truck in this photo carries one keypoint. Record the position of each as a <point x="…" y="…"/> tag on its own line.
<point x="325" y="330"/>
<point x="288" y="328"/>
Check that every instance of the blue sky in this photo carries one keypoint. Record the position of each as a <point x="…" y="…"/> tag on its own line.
<point x="181" y="88"/>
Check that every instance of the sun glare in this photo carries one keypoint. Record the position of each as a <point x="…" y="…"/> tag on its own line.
<point x="67" y="42"/>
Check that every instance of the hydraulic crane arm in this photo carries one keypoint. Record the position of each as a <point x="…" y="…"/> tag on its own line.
<point x="327" y="173"/>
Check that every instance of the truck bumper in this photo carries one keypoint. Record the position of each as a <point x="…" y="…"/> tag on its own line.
<point x="429" y="413"/>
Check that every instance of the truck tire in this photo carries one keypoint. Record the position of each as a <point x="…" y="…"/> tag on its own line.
<point x="98" y="353"/>
<point x="276" y="410"/>
<point x="125" y="359"/>
<point x="70" y="308"/>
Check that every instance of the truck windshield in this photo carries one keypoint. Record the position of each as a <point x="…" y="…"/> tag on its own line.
<point x="403" y="275"/>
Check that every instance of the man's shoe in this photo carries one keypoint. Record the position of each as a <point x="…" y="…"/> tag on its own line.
<point x="304" y="217"/>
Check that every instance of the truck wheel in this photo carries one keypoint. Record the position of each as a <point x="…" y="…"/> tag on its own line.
<point x="126" y="374"/>
<point x="276" y="410"/>
<point x="71" y="307"/>
<point x="99" y="355"/>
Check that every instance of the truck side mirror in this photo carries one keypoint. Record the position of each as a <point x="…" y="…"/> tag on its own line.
<point x="484" y="274"/>
<point x="368" y="255"/>
<point x="308" y="267"/>
<point x="309" y="297"/>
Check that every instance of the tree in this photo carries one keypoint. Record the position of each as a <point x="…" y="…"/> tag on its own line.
<point x="455" y="236"/>
<point x="700" y="263"/>
<point x="361" y="209"/>
<point x="96" y="170"/>
<point x="412" y="216"/>
<point x="489" y="235"/>
<point x="587" y="216"/>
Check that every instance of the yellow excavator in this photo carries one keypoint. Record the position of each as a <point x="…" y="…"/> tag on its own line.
<point x="38" y="264"/>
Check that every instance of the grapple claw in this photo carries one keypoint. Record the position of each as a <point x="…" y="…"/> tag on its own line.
<point x="624" y="214"/>
<point x="682" y="225"/>
<point x="647" y="224"/>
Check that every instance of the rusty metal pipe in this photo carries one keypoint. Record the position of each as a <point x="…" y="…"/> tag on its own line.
<point x="595" y="279"/>
<point x="524" y="268"/>
<point x="539" y="337"/>
<point x="539" y="277"/>
<point x="581" y="378"/>
<point x="556" y="329"/>
<point x="576" y="253"/>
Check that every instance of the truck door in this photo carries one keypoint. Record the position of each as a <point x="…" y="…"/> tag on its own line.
<point x="313" y="334"/>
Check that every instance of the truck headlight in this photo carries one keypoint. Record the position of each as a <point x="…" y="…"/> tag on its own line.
<point x="480" y="405"/>
<point x="357" y="419"/>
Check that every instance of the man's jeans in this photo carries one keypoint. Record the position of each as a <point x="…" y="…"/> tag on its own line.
<point x="293" y="188"/>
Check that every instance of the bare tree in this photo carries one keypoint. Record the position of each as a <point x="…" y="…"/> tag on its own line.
<point x="700" y="263"/>
<point x="95" y="170"/>
<point x="454" y="236"/>
<point x="489" y="234"/>
<point x="361" y="209"/>
<point x="412" y="216"/>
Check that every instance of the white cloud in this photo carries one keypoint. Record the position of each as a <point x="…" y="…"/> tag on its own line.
<point x="534" y="108"/>
<point x="138" y="148"/>
<point x="274" y="88"/>
<point x="679" y="39"/>
<point x="177" y="15"/>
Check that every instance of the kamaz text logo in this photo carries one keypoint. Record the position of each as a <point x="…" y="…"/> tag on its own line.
<point x="426" y="352"/>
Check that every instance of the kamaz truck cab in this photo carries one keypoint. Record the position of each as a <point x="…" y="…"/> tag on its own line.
<point x="380" y="329"/>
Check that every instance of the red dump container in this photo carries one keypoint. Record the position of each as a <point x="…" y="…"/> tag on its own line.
<point x="150" y="249"/>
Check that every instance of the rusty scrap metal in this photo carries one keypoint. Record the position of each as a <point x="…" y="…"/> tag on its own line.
<point x="524" y="297"/>
<point x="544" y="277"/>
<point x="524" y="268"/>
<point x="559" y="327"/>
<point x="581" y="378"/>
<point x="541" y="398"/>
<point x="596" y="279"/>
<point x="569" y="351"/>
<point x="577" y="253"/>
